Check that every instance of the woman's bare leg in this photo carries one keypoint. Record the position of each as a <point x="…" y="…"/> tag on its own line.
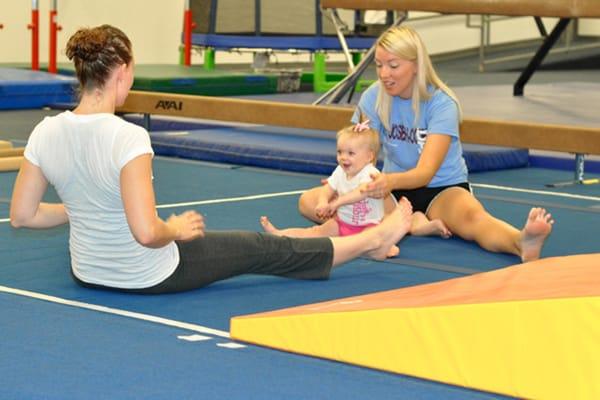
<point x="464" y="215"/>
<point x="377" y="241"/>
<point x="327" y="229"/>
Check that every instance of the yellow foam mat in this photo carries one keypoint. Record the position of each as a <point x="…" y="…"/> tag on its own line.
<point x="543" y="347"/>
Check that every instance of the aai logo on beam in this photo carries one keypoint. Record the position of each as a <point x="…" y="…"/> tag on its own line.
<point x="169" y="105"/>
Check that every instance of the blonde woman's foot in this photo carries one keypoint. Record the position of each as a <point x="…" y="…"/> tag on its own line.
<point x="537" y="228"/>
<point x="393" y="228"/>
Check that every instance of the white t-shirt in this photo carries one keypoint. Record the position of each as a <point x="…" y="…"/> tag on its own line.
<point x="82" y="157"/>
<point x="363" y="212"/>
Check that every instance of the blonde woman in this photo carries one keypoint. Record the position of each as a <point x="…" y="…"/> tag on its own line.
<point x="417" y="117"/>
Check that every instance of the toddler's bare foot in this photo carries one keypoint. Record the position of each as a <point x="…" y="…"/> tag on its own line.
<point x="393" y="251"/>
<point x="435" y="227"/>
<point x="268" y="226"/>
<point x="393" y="228"/>
<point x="537" y="228"/>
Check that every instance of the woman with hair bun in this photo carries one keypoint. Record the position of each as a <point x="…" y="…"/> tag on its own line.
<point x="101" y="168"/>
<point x="418" y="117"/>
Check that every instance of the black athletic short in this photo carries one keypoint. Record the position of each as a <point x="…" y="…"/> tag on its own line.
<point x="421" y="198"/>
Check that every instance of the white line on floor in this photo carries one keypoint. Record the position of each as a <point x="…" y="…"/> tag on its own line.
<point x="231" y="199"/>
<point x="295" y="192"/>
<point x="544" y="192"/>
<point x="115" y="311"/>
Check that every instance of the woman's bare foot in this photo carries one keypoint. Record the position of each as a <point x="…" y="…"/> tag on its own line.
<point x="389" y="232"/>
<point x="537" y="228"/>
<point x="435" y="227"/>
<point x="268" y="226"/>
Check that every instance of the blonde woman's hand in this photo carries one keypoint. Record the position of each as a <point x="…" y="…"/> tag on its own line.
<point x="188" y="225"/>
<point x="378" y="188"/>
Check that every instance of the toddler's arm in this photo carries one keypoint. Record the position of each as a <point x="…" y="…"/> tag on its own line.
<point x="324" y="209"/>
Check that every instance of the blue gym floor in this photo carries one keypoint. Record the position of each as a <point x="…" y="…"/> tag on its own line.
<point x="61" y="341"/>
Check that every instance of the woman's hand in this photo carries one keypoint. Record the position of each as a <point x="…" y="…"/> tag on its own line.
<point x="378" y="188"/>
<point x="189" y="225"/>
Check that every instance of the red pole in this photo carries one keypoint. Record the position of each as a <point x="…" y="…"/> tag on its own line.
<point x="54" y="28"/>
<point x="35" y="35"/>
<point x="188" y="25"/>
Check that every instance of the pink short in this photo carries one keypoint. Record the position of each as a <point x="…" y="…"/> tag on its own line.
<point x="348" y="229"/>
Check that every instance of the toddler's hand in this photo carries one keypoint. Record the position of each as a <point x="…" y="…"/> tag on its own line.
<point x="324" y="211"/>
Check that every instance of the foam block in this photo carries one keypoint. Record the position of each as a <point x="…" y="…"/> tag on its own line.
<point x="530" y="330"/>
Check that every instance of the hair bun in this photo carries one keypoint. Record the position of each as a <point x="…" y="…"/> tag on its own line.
<point x="88" y="52"/>
<point x="86" y="45"/>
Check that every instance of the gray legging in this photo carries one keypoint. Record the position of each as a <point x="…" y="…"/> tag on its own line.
<point x="222" y="255"/>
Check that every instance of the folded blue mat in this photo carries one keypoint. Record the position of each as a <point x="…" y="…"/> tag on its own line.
<point x="25" y="89"/>
<point x="294" y="149"/>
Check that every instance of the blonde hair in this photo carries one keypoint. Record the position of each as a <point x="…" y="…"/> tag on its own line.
<point x="404" y="42"/>
<point x="370" y="136"/>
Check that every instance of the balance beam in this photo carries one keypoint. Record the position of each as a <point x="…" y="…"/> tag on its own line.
<point x="520" y="134"/>
<point x="12" y="152"/>
<point x="10" y="163"/>
<point x="238" y="110"/>
<point x="563" y="9"/>
<point x="517" y="8"/>
<point x="10" y="158"/>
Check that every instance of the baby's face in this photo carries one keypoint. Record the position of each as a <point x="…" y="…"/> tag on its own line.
<point x="353" y="154"/>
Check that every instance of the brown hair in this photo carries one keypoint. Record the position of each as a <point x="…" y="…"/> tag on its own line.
<point x="96" y="52"/>
<point x="369" y="135"/>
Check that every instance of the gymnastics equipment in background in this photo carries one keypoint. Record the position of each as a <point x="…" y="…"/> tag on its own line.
<point x="54" y="28"/>
<point x="518" y="129"/>
<point x="26" y="89"/>
<point x="34" y="26"/>
<point x="564" y="10"/>
<point x="552" y="136"/>
<point x="188" y="26"/>
<point x="267" y="25"/>
<point x="10" y="157"/>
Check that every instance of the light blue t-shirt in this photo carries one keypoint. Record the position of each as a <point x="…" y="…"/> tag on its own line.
<point x="403" y="144"/>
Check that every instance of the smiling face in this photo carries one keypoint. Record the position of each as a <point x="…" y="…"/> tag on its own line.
<point x="353" y="153"/>
<point x="395" y="74"/>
